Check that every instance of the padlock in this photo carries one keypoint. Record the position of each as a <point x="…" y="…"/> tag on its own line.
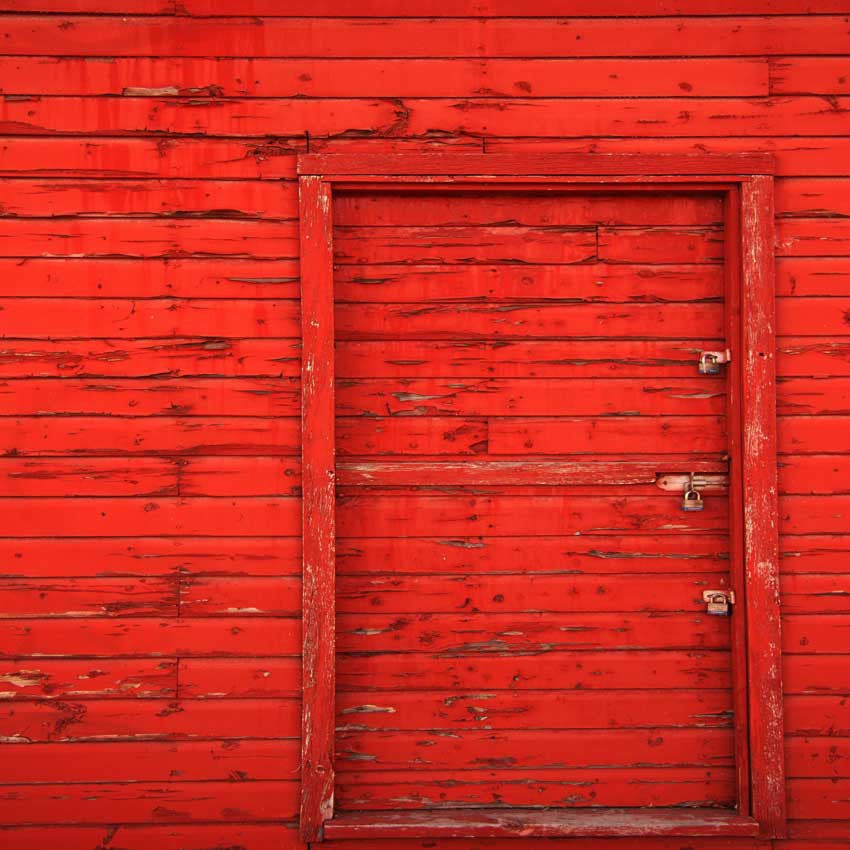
<point x="718" y="605"/>
<point x="692" y="501"/>
<point x="709" y="363"/>
<point x="718" y="602"/>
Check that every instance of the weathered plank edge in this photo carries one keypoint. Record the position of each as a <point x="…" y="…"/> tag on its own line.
<point x="317" y="370"/>
<point x="474" y="472"/>
<point x="470" y="164"/>
<point x="761" y="541"/>
<point x="495" y="823"/>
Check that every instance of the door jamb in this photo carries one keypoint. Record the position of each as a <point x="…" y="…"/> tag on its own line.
<point x="747" y="183"/>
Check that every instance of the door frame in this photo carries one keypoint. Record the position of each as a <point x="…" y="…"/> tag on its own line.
<point x="746" y="181"/>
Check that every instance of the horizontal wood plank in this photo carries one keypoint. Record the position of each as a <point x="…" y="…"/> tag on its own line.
<point x="505" y="515"/>
<point x="533" y="698"/>
<point x="218" y="199"/>
<point x="150" y="761"/>
<point x="529" y="320"/>
<point x="479" y="281"/>
<point x="419" y="8"/>
<point x="229" y="636"/>
<point x="142" y="802"/>
<point x="497" y="594"/>
<point x="490" y="117"/>
<point x="121" y="719"/>
<point x="375" y="752"/>
<point x="139" y="358"/>
<point x="497" y="397"/>
<point x="389" y="78"/>
<point x="168" y="36"/>
<point x="546" y="208"/>
<point x="563" y="823"/>
<point x="89" y="597"/>
<point x="104" y="557"/>
<point x="165" y="837"/>
<point x="394" y="790"/>
<point x="146" y="237"/>
<point x="152" y="397"/>
<point x="482" y="554"/>
<point x="482" y="634"/>
<point x="87" y="517"/>
<point x="116" y="436"/>
<point x="74" y="679"/>
<point x="151" y="277"/>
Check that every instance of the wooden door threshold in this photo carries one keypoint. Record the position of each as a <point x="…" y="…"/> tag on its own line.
<point x="540" y="823"/>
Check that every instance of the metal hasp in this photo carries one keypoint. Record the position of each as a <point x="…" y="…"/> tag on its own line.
<point x="719" y="602"/>
<point x="711" y="361"/>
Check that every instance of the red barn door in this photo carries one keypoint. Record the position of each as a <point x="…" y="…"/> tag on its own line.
<point x="520" y="613"/>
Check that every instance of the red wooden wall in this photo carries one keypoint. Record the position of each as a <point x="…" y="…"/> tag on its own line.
<point x="149" y="275"/>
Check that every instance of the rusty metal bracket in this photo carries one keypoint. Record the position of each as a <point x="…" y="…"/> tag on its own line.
<point x="678" y="482"/>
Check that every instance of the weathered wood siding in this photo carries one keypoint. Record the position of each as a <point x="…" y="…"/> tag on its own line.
<point x="150" y="359"/>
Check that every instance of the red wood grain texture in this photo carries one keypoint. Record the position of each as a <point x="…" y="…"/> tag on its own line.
<point x="527" y="320"/>
<point x="760" y="509"/>
<point x="537" y="632"/>
<point x="421" y="245"/>
<point x="546" y="209"/>
<point x="144" y="802"/>
<point x="148" y="357"/>
<point x="122" y="719"/>
<point x="232" y="635"/>
<point x="129" y="761"/>
<point x="396" y="791"/>
<point x="468" y="359"/>
<point x="93" y="557"/>
<point x="150" y="437"/>
<point x="805" y="156"/>
<point x="155" y="317"/>
<point x="544" y="702"/>
<point x="530" y="396"/>
<point x="319" y="532"/>
<point x="110" y="158"/>
<point x="92" y="477"/>
<point x="630" y="165"/>
<point x="87" y="597"/>
<point x="68" y="679"/>
<point x="468" y="8"/>
<point x="95" y="516"/>
<point x="535" y="749"/>
<point x="593" y="282"/>
<point x="114" y="435"/>
<point x="146" y="237"/>
<point x="192" y="277"/>
<point x="492" y="822"/>
<point x="72" y="35"/>
<point x="487" y="555"/>
<point x="504" y="514"/>
<point x="710" y="77"/>
<point x="152" y="397"/>
<point x="240" y="678"/>
<point x="148" y="198"/>
<point x="166" y="837"/>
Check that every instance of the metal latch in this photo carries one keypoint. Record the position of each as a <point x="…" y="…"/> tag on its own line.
<point x="718" y="602"/>
<point x="711" y="361"/>
<point x="702" y="481"/>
